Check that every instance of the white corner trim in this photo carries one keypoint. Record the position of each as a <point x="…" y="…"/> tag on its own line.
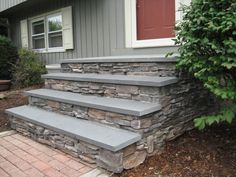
<point x="128" y="23"/>
<point x="131" y="27"/>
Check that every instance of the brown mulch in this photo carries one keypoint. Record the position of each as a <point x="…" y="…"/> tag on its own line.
<point x="208" y="153"/>
<point x="13" y="98"/>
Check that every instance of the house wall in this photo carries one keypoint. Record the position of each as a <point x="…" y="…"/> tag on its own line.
<point x="5" y="4"/>
<point x="99" y="29"/>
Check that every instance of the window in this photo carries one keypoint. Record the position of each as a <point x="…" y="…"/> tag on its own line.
<point x="47" y="33"/>
<point x="55" y="31"/>
<point x="38" y="34"/>
<point x="131" y="31"/>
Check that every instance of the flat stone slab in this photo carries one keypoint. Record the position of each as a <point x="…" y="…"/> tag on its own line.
<point x="153" y="81"/>
<point x="123" y="59"/>
<point x="122" y="106"/>
<point x="53" y="66"/>
<point x="100" y="135"/>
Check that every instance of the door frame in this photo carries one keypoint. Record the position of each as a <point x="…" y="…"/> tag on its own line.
<point x="131" y="27"/>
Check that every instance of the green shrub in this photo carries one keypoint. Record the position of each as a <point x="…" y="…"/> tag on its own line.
<point x="207" y="39"/>
<point x="8" y="56"/>
<point x="28" y="69"/>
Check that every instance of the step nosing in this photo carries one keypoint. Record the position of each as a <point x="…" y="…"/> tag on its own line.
<point x="56" y="122"/>
<point x="153" y="81"/>
<point x="127" y="107"/>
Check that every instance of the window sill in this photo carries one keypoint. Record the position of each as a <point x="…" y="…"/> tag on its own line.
<point x="165" y="42"/>
<point x="61" y="50"/>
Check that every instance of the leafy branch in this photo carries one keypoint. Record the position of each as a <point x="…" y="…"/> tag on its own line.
<point x="207" y="39"/>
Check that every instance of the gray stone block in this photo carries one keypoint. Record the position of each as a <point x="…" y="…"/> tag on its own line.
<point x="122" y="106"/>
<point x="100" y="135"/>
<point x="153" y="81"/>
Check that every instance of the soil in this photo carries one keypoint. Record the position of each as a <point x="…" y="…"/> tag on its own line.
<point x="208" y="153"/>
<point x="13" y="98"/>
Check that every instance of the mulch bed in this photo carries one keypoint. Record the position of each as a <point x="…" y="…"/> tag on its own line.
<point x="13" y="98"/>
<point x="208" y="153"/>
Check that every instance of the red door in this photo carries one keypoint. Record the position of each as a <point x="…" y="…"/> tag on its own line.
<point x="155" y="19"/>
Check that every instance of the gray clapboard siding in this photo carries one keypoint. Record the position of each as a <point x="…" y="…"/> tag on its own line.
<point x="6" y="4"/>
<point x="99" y="29"/>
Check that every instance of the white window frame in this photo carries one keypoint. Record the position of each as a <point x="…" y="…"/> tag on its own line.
<point x="33" y="35"/>
<point x="131" y="27"/>
<point x="54" y="49"/>
<point x="45" y="17"/>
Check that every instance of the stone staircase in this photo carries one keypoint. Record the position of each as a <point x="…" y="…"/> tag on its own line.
<point x="111" y="111"/>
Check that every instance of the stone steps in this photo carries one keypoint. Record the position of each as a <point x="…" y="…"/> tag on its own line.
<point x="139" y="98"/>
<point x="148" y="65"/>
<point x="97" y="134"/>
<point x="121" y="106"/>
<point x="138" y="88"/>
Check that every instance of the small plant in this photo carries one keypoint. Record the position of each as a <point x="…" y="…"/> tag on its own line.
<point x="207" y="39"/>
<point x="8" y="56"/>
<point x="28" y="70"/>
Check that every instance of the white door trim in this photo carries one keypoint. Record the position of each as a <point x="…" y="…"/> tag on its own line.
<point x="131" y="27"/>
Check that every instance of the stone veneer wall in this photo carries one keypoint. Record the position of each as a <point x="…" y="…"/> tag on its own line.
<point x="147" y="69"/>
<point x="138" y="93"/>
<point x="113" y="161"/>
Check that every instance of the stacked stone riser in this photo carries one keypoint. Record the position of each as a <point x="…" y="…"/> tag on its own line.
<point x="113" y="161"/>
<point x="130" y="92"/>
<point x="105" y="117"/>
<point x="138" y="93"/>
<point x="162" y="69"/>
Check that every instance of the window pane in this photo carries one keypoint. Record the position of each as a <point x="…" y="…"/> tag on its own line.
<point x="55" y="39"/>
<point x="39" y="42"/>
<point x="55" y="23"/>
<point x="38" y="27"/>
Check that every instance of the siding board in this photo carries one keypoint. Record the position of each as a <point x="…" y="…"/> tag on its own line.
<point x="100" y="28"/>
<point x="106" y="28"/>
<point x="94" y="28"/>
<point x="6" y="4"/>
<point x="88" y="27"/>
<point x="119" y="24"/>
<point x="83" y="29"/>
<point x="77" y="30"/>
<point x="112" y="21"/>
